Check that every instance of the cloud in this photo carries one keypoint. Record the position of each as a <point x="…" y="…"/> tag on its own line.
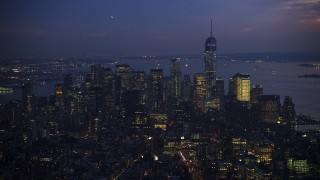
<point x="247" y="29"/>
<point x="23" y="30"/>
<point x="158" y="36"/>
<point x="304" y="9"/>
<point x="303" y="14"/>
<point x="103" y="34"/>
<point x="34" y="31"/>
<point x="5" y="29"/>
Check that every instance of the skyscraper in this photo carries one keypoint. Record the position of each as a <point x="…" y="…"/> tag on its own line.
<point x="139" y="80"/>
<point x="123" y="72"/>
<point x="26" y="90"/>
<point x="232" y="89"/>
<point x="67" y="82"/>
<point x="241" y="86"/>
<point x="288" y="110"/>
<point x="210" y="59"/>
<point x="186" y="87"/>
<point x="107" y="76"/>
<point x="156" y="90"/>
<point x="220" y="87"/>
<point x="109" y="85"/>
<point x="59" y="102"/>
<point x="256" y="91"/>
<point x="31" y="103"/>
<point x="95" y="74"/>
<point x="199" y="89"/>
<point x="269" y="108"/>
<point x="67" y="88"/>
<point x="175" y="75"/>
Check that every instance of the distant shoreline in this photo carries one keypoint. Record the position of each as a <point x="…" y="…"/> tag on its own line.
<point x="309" y="65"/>
<point x="263" y="56"/>
<point x="309" y="76"/>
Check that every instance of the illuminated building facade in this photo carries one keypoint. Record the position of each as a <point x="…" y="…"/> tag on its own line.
<point x="160" y="120"/>
<point x="298" y="165"/>
<point x="199" y="89"/>
<point x="263" y="153"/>
<point x="140" y="123"/>
<point x="241" y="87"/>
<point x="170" y="147"/>
<point x="239" y="146"/>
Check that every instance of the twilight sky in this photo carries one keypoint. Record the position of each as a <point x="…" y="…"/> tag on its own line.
<point x="45" y="28"/>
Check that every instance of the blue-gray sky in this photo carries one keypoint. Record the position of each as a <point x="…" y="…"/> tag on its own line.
<point x="149" y="27"/>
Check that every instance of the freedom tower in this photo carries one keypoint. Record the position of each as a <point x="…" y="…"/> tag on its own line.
<point x="210" y="58"/>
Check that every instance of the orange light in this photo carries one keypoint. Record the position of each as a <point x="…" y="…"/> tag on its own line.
<point x="58" y="92"/>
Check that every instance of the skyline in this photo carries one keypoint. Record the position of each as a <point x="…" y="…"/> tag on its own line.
<point x="104" y="28"/>
<point x="160" y="89"/>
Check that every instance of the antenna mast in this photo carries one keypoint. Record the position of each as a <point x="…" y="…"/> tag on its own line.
<point x="211" y="28"/>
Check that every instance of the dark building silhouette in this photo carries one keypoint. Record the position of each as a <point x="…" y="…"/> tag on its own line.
<point x="123" y="71"/>
<point x="175" y="75"/>
<point x="96" y="74"/>
<point x="232" y="88"/>
<point x="156" y="95"/>
<point x="288" y="110"/>
<point x="26" y="90"/>
<point x="31" y="103"/>
<point x="256" y="92"/>
<point x="90" y="101"/>
<point x="139" y="83"/>
<point x="68" y="82"/>
<point x="122" y="84"/>
<point x="131" y="99"/>
<point x="220" y="87"/>
<point x="220" y="93"/>
<point x="42" y="103"/>
<point x="59" y="98"/>
<point x="269" y="108"/>
<point x="187" y="87"/>
<point x="109" y="90"/>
